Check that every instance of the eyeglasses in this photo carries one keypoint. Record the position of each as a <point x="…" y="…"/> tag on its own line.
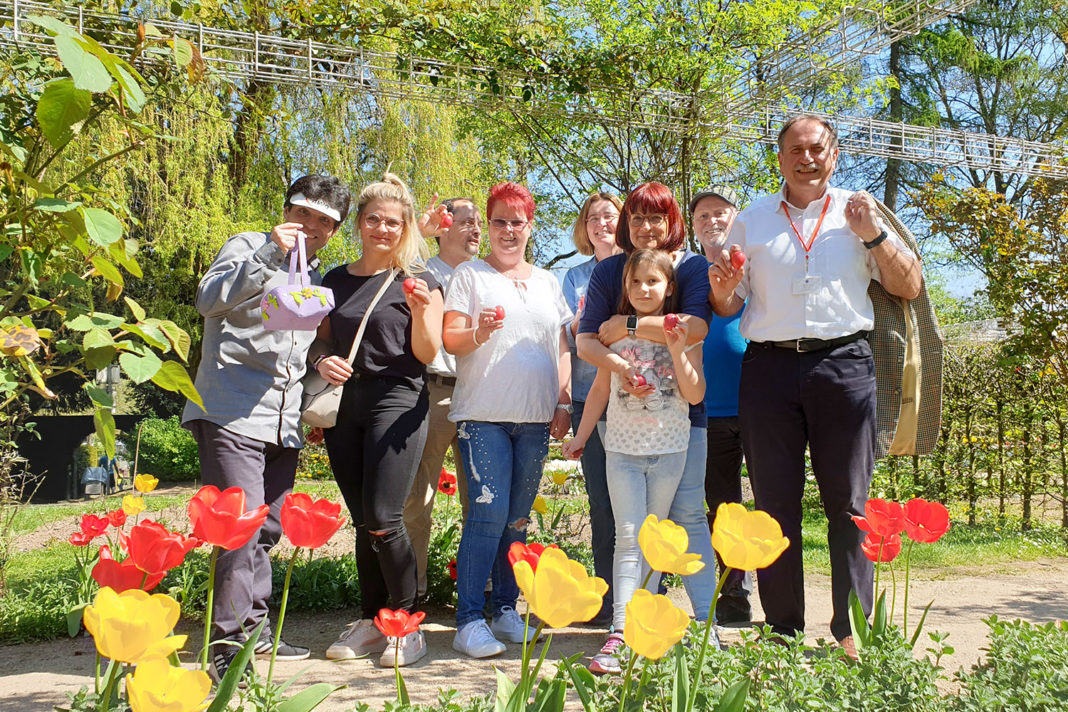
<point x="469" y="224"/>
<point x="373" y="220"/>
<point x="605" y="218"/>
<point x="502" y="224"/>
<point x="654" y="220"/>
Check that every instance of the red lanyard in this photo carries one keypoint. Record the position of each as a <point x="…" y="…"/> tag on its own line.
<point x="812" y="240"/>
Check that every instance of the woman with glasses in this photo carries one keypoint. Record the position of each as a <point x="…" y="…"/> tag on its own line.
<point x="594" y="234"/>
<point x="377" y="443"/>
<point x="651" y="220"/>
<point x="503" y="320"/>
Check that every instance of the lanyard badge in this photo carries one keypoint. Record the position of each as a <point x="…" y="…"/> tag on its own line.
<point x="807" y="284"/>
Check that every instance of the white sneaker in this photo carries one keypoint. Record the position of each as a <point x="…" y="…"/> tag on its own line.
<point x="358" y="639"/>
<point x="476" y="640"/>
<point x="507" y="625"/>
<point x="404" y="651"/>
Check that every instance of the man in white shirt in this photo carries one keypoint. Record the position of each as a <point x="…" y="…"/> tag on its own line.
<point x="807" y="375"/>
<point x="456" y="244"/>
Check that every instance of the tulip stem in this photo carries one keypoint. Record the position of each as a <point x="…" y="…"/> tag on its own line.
<point x="207" y="610"/>
<point x="893" y="596"/>
<point x="525" y="675"/>
<point x="105" y="698"/>
<point x="282" y="614"/>
<point x="626" y="678"/>
<point x="695" y="685"/>
<point x="878" y="568"/>
<point x="96" y="681"/>
<point x="908" y="569"/>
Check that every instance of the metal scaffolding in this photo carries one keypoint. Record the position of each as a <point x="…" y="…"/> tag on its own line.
<point x="746" y="113"/>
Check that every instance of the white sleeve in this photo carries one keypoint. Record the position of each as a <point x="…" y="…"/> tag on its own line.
<point x="460" y="295"/>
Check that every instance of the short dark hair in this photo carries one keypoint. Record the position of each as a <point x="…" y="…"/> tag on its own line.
<point x="652" y="198"/>
<point x="797" y="118"/>
<point x="327" y="189"/>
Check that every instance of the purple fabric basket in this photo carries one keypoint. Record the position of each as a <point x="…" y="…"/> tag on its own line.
<point x="296" y="306"/>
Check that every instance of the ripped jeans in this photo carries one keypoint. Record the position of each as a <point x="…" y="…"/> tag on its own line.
<point x="503" y="464"/>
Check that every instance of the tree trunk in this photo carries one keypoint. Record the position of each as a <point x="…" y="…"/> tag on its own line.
<point x="1001" y="458"/>
<point x="893" y="165"/>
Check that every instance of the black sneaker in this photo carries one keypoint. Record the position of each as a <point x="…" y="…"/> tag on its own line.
<point x="286" y="652"/>
<point x="221" y="662"/>
<point x="733" y="611"/>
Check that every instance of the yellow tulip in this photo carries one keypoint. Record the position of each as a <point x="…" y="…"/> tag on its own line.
<point x="747" y="540"/>
<point x="654" y="624"/>
<point x="133" y="626"/>
<point x="559" y="476"/>
<point x="145" y="483"/>
<point x="560" y="591"/>
<point x="132" y="505"/>
<point x="155" y="686"/>
<point x="539" y="505"/>
<point x="664" y="544"/>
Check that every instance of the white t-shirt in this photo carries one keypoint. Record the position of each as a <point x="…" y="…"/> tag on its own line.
<point x="444" y="363"/>
<point x="512" y="378"/>
<point x="657" y="424"/>
<point x="837" y="304"/>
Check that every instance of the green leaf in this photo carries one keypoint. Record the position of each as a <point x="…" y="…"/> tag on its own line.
<point x="96" y="320"/>
<point x="183" y="52"/>
<point x="120" y="252"/>
<point x="140" y="368"/>
<point x="583" y="680"/>
<point x="135" y="309"/>
<point x="878" y="627"/>
<point x="680" y="683"/>
<point x="858" y="622"/>
<point x="505" y="690"/>
<point x="99" y="358"/>
<point x="402" y="689"/>
<point x="308" y="698"/>
<point x="107" y="270"/>
<point x="228" y="685"/>
<point x="74" y="619"/>
<point x="105" y="429"/>
<point x="919" y="626"/>
<point x="103" y="227"/>
<point x="87" y="70"/>
<point x="5" y="251"/>
<point x="549" y="696"/>
<point x="97" y="338"/>
<point x="52" y="24"/>
<point x="99" y="396"/>
<point x="151" y="334"/>
<point x="733" y="699"/>
<point x="61" y="110"/>
<point x="172" y="377"/>
<point x="178" y="338"/>
<point x="54" y="205"/>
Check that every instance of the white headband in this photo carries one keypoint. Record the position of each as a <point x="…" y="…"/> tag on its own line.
<point x="300" y="199"/>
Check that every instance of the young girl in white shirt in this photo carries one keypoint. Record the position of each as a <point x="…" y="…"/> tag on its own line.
<point x="648" y="426"/>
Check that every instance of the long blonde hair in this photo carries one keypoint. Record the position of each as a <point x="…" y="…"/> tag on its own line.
<point x="411" y="253"/>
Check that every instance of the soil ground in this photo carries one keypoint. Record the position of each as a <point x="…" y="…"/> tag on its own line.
<point x="37" y="676"/>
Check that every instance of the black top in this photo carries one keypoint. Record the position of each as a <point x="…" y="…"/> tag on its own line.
<point x="386" y="349"/>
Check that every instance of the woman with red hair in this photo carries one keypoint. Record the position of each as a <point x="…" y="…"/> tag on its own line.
<point x="651" y="220"/>
<point x="502" y="322"/>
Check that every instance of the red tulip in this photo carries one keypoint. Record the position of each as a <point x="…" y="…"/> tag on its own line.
<point x="156" y="550"/>
<point x="220" y="519"/>
<point x="80" y="539"/>
<point x="122" y="575"/>
<point x="398" y="623"/>
<point x="452" y="569"/>
<point x="530" y="553"/>
<point x="310" y="524"/>
<point x="882" y="518"/>
<point x="447" y="482"/>
<point x="925" y="521"/>
<point x="94" y="526"/>
<point x="117" y="518"/>
<point x="891" y="547"/>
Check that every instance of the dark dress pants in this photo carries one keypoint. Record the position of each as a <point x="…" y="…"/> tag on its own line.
<point x="825" y="399"/>
<point x="723" y="483"/>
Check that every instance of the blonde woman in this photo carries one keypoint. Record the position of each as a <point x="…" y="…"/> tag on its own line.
<point x="594" y="234"/>
<point x="381" y="426"/>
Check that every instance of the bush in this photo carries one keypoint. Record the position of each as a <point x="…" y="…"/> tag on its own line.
<point x="168" y="451"/>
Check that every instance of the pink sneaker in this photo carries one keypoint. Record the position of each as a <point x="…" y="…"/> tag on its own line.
<point x="606" y="662"/>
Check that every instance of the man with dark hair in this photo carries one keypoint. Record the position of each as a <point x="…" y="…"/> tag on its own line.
<point x="713" y="211"/>
<point x="808" y="377"/>
<point x="456" y="244"/>
<point x="249" y="434"/>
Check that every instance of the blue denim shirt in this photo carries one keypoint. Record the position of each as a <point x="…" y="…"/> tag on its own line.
<point x="249" y="378"/>
<point x="582" y="373"/>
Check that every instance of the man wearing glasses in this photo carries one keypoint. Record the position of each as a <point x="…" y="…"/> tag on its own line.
<point x="456" y="244"/>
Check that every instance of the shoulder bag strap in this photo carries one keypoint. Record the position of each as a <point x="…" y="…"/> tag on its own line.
<point x="363" y="322"/>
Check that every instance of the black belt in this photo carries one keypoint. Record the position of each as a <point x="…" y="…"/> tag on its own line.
<point x="808" y="345"/>
<point x="448" y="381"/>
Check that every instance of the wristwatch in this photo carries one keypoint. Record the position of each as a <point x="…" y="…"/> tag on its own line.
<point x="632" y="324"/>
<point x="565" y="407"/>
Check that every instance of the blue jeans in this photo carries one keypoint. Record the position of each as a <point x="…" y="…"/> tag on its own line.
<point x="640" y="485"/>
<point x="503" y="464"/>
<point x="688" y="511"/>
<point x="602" y="522"/>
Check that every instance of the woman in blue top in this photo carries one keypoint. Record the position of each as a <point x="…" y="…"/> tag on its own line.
<point x="651" y="220"/>
<point x="594" y="234"/>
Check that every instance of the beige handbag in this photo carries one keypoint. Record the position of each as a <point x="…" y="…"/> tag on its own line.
<point x="322" y="399"/>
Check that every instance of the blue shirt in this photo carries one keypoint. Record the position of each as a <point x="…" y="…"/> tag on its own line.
<point x="582" y="373"/>
<point x="606" y="288"/>
<point x="724" y="348"/>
